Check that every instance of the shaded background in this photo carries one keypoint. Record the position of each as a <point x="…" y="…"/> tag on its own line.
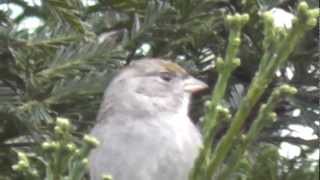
<point x="56" y="58"/>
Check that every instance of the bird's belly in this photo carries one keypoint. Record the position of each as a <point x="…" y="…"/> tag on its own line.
<point x="143" y="151"/>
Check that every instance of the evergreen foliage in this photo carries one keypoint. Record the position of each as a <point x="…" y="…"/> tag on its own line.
<point x="61" y="69"/>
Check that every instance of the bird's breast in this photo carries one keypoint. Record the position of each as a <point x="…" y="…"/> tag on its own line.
<point x="153" y="149"/>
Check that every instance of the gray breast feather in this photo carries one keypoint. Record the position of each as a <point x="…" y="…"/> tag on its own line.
<point x="142" y="151"/>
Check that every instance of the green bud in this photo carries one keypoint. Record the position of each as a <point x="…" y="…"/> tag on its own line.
<point x="63" y="123"/>
<point x="303" y="7"/>
<point x="22" y="156"/>
<point x="243" y="137"/>
<point x="313" y="13"/>
<point x="58" y="130"/>
<point x="46" y="145"/>
<point x="263" y="107"/>
<point x="236" y="41"/>
<point x="15" y="167"/>
<point x="55" y="145"/>
<point x="23" y="162"/>
<point x="244" y="163"/>
<point x="229" y="19"/>
<point x="237" y="18"/>
<point x="245" y="18"/>
<point x="233" y="20"/>
<point x="77" y="152"/>
<point x="236" y="62"/>
<point x="287" y="89"/>
<point x="224" y="112"/>
<point x="273" y="116"/>
<point x="92" y="141"/>
<point x="106" y="177"/>
<point x="22" y="165"/>
<point x="312" y="22"/>
<point x="222" y="109"/>
<point x="219" y="64"/>
<point x="71" y="147"/>
<point x="34" y="172"/>
<point x="85" y="161"/>
<point x="207" y="103"/>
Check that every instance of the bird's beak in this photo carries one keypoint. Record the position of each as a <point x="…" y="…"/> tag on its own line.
<point x="193" y="85"/>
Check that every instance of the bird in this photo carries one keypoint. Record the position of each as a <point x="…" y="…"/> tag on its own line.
<point x="143" y="126"/>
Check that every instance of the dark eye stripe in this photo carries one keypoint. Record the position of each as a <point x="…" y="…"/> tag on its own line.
<point x="166" y="76"/>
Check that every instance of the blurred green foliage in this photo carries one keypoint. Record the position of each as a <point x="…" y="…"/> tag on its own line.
<point x="61" y="68"/>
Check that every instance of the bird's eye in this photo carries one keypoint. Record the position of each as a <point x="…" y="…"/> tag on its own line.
<point x="166" y="76"/>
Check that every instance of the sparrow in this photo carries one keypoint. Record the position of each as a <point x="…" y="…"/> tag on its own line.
<point x="143" y="126"/>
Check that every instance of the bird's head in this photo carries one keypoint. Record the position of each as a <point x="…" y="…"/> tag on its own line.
<point x="152" y="86"/>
